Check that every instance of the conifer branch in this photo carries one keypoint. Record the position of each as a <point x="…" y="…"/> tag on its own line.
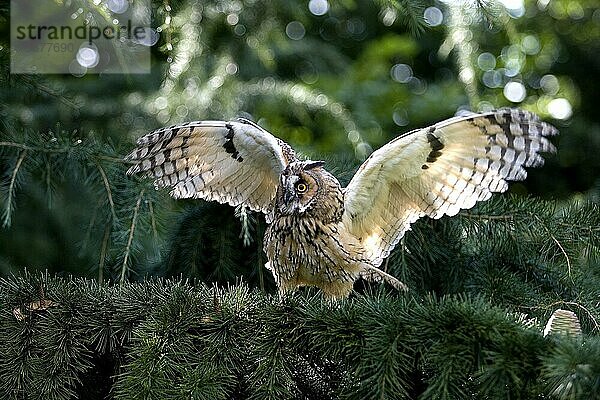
<point x="562" y="249"/>
<point x="130" y="238"/>
<point x="108" y="191"/>
<point x="457" y="31"/>
<point x="487" y="216"/>
<point x="11" y="187"/>
<point x="114" y="159"/>
<point x="33" y="148"/>
<point x="411" y="12"/>
<point x="24" y="146"/>
<point x="44" y="89"/>
<point x="103" y="250"/>
<point x="88" y="231"/>
<point x="17" y="145"/>
<point x="48" y="182"/>
<point x="152" y="220"/>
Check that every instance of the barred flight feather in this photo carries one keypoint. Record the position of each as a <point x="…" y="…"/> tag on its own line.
<point x="440" y="170"/>
<point x="234" y="162"/>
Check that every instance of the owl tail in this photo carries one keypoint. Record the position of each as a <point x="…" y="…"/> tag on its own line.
<point x="374" y="274"/>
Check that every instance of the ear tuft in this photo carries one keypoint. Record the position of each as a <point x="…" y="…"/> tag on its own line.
<point x="312" y="164"/>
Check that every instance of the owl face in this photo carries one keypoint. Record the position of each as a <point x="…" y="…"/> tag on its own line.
<point x="299" y="187"/>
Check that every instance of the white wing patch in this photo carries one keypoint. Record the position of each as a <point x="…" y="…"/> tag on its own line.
<point x="438" y="171"/>
<point x="234" y="162"/>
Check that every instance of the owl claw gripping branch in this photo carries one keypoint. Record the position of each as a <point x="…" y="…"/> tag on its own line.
<point x="321" y="234"/>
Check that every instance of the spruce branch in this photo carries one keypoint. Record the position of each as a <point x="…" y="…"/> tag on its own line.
<point x="130" y="237"/>
<point x="103" y="251"/>
<point x="458" y="34"/>
<point x="108" y="190"/>
<point x="560" y="246"/>
<point x="37" y="84"/>
<point x="10" y="198"/>
<point x="152" y="220"/>
<point x="411" y="13"/>
<point x="487" y="217"/>
<point x="90" y="226"/>
<point x="17" y="145"/>
<point x="173" y="338"/>
<point x="64" y="149"/>
<point x="48" y="182"/>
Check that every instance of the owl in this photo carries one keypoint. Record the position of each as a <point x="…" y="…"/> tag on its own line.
<point x="319" y="233"/>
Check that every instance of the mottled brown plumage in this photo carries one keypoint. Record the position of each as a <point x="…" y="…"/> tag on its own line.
<point x="321" y="234"/>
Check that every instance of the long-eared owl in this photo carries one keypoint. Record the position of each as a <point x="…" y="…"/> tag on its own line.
<point x="319" y="233"/>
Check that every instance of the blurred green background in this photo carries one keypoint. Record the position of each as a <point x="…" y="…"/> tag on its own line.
<point x="335" y="79"/>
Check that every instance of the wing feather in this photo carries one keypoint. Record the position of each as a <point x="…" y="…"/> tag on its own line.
<point x="235" y="162"/>
<point x="438" y="171"/>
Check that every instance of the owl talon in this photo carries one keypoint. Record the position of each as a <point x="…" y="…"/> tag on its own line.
<point x="376" y="274"/>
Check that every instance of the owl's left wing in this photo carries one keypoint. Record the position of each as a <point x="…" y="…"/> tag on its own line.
<point x="438" y="171"/>
<point x="234" y="162"/>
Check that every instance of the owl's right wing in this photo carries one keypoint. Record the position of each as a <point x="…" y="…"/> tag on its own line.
<point x="235" y="162"/>
<point x="438" y="171"/>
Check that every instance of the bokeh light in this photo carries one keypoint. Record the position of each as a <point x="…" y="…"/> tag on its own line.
<point x="560" y="108"/>
<point x="233" y="19"/>
<point x="515" y="92"/>
<point x="149" y="38"/>
<point x="433" y="16"/>
<point x="88" y="56"/>
<point x="492" y="79"/>
<point x="401" y="73"/>
<point x="400" y="117"/>
<point x="515" y="8"/>
<point x="486" y="61"/>
<point x="417" y="86"/>
<point x="118" y="6"/>
<point x="466" y="75"/>
<point x="514" y="59"/>
<point x="531" y="44"/>
<point x="549" y="84"/>
<point x="231" y="68"/>
<point x="295" y="30"/>
<point x="77" y="69"/>
<point x="318" y="7"/>
<point x="388" y="16"/>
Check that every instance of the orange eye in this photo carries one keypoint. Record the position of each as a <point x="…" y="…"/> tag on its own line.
<point x="301" y="187"/>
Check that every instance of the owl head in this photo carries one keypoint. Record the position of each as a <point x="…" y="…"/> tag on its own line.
<point x="305" y="187"/>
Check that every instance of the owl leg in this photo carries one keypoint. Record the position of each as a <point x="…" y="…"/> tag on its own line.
<point x="372" y="273"/>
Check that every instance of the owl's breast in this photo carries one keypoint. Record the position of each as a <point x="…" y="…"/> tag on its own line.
<point x="307" y="252"/>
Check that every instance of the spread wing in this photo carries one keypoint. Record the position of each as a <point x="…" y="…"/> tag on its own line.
<point x="234" y="162"/>
<point x="438" y="171"/>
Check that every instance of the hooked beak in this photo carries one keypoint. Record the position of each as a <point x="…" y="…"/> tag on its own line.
<point x="289" y="192"/>
<point x="288" y="197"/>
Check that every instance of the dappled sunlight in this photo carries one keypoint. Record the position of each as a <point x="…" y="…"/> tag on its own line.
<point x="107" y="188"/>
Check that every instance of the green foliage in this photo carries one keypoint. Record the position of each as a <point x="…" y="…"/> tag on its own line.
<point x="174" y="339"/>
<point x="571" y="370"/>
<point x="66" y="162"/>
<point x="482" y="283"/>
<point x="330" y="92"/>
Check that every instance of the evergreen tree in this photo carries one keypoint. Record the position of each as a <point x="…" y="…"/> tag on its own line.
<point x="147" y="297"/>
